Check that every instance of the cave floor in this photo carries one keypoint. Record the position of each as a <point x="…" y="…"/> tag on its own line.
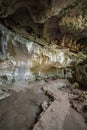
<point x="43" y="105"/>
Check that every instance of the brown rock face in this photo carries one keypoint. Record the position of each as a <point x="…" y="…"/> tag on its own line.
<point x="81" y="74"/>
<point x="49" y="19"/>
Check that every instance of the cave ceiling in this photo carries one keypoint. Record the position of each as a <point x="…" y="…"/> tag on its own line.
<point x="50" y="20"/>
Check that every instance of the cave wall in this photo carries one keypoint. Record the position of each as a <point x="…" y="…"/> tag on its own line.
<point x="23" y="60"/>
<point x="40" y="39"/>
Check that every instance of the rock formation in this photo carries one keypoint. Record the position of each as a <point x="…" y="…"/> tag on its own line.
<point x="45" y="40"/>
<point x="43" y="64"/>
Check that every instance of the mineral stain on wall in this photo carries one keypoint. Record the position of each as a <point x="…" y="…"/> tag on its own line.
<point x="26" y="60"/>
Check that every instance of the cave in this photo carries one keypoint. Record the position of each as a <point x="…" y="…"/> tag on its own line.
<point x="43" y="65"/>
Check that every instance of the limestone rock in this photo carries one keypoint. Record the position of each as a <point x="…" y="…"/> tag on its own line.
<point x="26" y="59"/>
<point x="44" y="105"/>
<point x="81" y="74"/>
<point x="59" y="116"/>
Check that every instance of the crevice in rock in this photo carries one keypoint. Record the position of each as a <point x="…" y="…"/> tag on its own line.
<point x="43" y="107"/>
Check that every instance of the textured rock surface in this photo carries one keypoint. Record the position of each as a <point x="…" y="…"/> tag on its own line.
<point x="81" y="74"/>
<point x="22" y="108"/>
<point x="43" y="40"/>
<point x="59" y="115"/>
<point x="19" y="111"/>
<point x="50" y="20"/>
<point x="52" y="31"/>
<point x="27" y="60"/>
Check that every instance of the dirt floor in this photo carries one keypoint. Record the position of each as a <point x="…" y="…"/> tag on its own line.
<point x="20" y="110"/>
<point x="43" y="105"/>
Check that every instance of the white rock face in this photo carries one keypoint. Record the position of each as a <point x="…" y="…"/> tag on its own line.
<point x="26" y="60"/>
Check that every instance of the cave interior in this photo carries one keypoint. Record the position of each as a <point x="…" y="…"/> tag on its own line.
<point x="43" y="65"/>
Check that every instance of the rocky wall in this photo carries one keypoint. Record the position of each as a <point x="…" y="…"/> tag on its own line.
<point x="23" y="60"/>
